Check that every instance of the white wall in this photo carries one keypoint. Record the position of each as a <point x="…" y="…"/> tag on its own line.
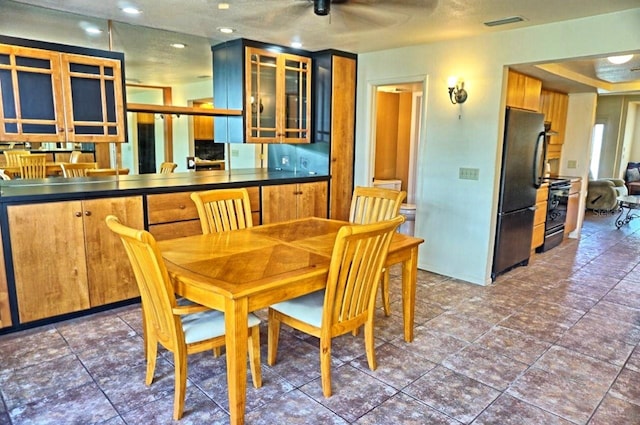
<point x="457" y="217"/>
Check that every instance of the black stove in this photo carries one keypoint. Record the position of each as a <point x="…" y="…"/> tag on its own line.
<point x="556" y="212"/>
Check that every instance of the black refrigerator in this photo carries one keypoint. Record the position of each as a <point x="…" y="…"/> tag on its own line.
<point x="523" y="157"/>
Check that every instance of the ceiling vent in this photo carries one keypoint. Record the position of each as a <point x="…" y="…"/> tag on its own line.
<point x="505" y="21"/>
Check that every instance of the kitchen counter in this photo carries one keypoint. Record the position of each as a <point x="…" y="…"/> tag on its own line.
<point x="58" y="188"/>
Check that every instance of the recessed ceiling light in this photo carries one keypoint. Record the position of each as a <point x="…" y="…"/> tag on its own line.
<point x="178" y="45"/>
<point x="93" y="30"/>
<point x="296" y="44"/>
<point x="618" y="60"/>
<point x="131" y="10"/>
<point x="226" y="30"/>
<point x="223" y="6"/>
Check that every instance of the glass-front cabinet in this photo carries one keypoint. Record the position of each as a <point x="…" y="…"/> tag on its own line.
<point x="51" y="96"/>
<point x="277" y="101"/>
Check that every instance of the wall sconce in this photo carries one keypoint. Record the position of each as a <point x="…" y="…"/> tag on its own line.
<point x="457" y="93"/>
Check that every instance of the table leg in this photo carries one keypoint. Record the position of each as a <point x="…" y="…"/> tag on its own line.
<point x="236" y="342"/>
<point x="619" y="221"/>
<point x="409" y="277"/>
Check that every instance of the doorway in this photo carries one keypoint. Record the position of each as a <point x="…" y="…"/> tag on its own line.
<point x="397" y="113"/>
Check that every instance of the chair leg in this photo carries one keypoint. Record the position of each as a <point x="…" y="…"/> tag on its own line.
<point x="151" y="352"/>
<point x="217" y="351"/>
<point x="325" y="366"/>
<point x="180" y="360"/>
<point x="369" y="345"/>
<point x="254" y="356"/>
<point x="273" y="336"/>
<point x="384" y="285"/>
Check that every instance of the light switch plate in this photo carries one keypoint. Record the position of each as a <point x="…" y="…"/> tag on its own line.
<point x="572" y="163"/>
<point x="469" y="173"/>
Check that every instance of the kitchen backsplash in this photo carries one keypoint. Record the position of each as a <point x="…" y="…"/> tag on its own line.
<point x="312" y="158"/>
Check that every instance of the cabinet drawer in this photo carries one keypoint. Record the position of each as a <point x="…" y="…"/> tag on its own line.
<point x="178" y="229"/>
<point x="538" y="236"/>
<point x="541" y="213"/>
<point x="542" y="194"/>
<point x="170" y="207"/>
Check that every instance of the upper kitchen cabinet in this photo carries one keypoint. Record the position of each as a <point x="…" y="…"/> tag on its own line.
<point x="56" y="93"/>
<point x="271" y="85"/>
<point x="523" y="92"/>
<point x="554" y="106"/>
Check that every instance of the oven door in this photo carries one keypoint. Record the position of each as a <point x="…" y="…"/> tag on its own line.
<point x="557" y="208"/>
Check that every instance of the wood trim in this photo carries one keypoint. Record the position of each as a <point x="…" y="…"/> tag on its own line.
<point x="181" y="110"/>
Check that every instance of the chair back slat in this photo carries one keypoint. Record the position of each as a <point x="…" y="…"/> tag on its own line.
<point x="371" y="204"/>
<point x="156" y="290"/>
<point x="78" y="169"/>
<point x="222" y="210"/>
<point x="33" y="166"/>
<point x="167" y="167"/>
<point x="12" y="156"/>
<point x="358" y="256"/>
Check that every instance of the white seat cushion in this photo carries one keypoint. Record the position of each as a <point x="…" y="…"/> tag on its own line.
<point x="208" y="324"/>
<point x="307" y="308"/>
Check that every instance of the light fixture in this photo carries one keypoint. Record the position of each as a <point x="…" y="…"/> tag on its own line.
<point x="93" y="30"/>
<point x="457" y="93"/>
<point x="619" y="60"/>
<point x="321" y="7"/>
<point x="178" y="45"/>
<point x="223" y="6"/>
<point x="131" y="10"/>
<point x="296" y="44"/>
<point x="226" y="30"/>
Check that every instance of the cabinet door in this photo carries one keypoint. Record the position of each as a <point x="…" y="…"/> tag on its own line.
<point x="311" y="200"/>
<point x="109" y="274"/>
<point x="278" y="92"/>
<point x="279" y="203"/>
<point x="49" y="261"/>
<point x="5" y="308"/>
<point x="94" y="99"/>
<point x="31" y="107"/>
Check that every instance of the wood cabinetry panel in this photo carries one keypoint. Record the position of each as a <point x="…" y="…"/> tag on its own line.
<point x="291" y="201"/>
<point x="170" y="207"/>
<point x="573" y="204"/>
<point x="554" y="106"/>
<point x="110" y="277"/>
<point x="540" y="216"/>
<point x="50" y="270"/>
<point x="5" y="307"/>
<point x="523" y="91"/>
<point x="178" y="229"/>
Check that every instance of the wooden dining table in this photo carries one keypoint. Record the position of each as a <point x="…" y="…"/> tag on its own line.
<point x="245" y="270"/>
<point x="53" y="169"/>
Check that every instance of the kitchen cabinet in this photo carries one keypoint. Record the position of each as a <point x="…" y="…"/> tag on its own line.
<point x="573" y="204"/>
<point x="5" y="306"/>
<point x="539" y="219"/>
<point x="554" y="106"/>
<point x="65" y="259"/>
<point x="273" y="88"/>
<point x="52" y="96"/>
<point x="523" y="91"/>
<point x="202" y="127"/>
<point x="174" y="215"/>
<point x="334" y="120"/>
<point x="291" y="201"/>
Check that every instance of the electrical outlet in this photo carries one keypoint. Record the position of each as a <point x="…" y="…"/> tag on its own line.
<point x="469" y="173"/>
<point x="304" y="163"/>
<point x="284" y="160"/>
<point x="235" y="153"/>
<point x="572" y="163"/>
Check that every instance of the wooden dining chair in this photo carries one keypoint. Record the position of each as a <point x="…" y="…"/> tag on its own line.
<point x="181" y="329"/>
<point x="11" y="156"/>
<point x="223" y="209"/>
<point x="371" y="204"/>
<point x="167" y="167"/>
<point x="74" y="158"/>
<point x="107" y="172"/>
<point x="4" y="176"/>
<point x="347" y="302"/>
<point x="33" y="166"/>
<point x="78" y="169"/>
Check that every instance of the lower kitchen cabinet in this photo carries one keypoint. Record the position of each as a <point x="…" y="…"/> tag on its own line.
<point x="65" y="259"/>
<point x="5" y="307"/>
<point x="291" y="201"/>
<point x="539" y="219"/>
<point x="573" y="204"/>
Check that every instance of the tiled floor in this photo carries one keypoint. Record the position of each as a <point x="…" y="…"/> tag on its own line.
<point x="556" y="342"/>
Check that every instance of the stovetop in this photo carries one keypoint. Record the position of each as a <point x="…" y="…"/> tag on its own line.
<point x="556" y="181"/>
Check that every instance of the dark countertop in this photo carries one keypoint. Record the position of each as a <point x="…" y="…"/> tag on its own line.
<point x="59" y="188"/>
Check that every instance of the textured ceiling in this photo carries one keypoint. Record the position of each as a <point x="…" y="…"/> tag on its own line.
<point x="353" y="25"/>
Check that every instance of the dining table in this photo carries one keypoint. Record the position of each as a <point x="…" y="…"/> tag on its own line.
<point x="245" y="270"/>
<point x="53" y="169"/>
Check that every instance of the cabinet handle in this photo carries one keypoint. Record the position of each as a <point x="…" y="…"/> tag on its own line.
<point x="71" y="130"/>
<point x="78" y="214"/>
<point x="181" y="207"/>
<point x="87" y="213"/>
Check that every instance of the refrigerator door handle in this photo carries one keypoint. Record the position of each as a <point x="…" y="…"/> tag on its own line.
<point x="537" y="169"/>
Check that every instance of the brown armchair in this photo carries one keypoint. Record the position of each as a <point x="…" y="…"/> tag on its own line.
<point x="632" y="178"/>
